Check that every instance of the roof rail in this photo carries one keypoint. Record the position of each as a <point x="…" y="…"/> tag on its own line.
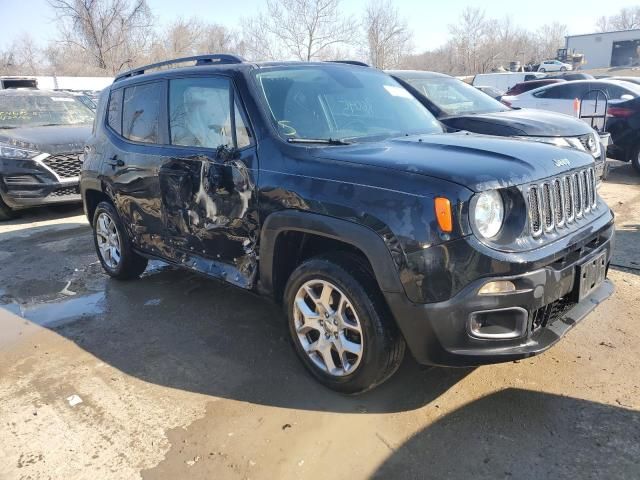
<point x="350" y="62"/>
<point x="212" y="59"/>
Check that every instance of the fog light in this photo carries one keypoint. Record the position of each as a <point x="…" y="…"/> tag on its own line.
<point x="499" y="286"/>
<point x="499" y="324"/>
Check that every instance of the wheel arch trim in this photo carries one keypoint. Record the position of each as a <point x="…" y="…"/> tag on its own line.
<point x="363" y="238"/>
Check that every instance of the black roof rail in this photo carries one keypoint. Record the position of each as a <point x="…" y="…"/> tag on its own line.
<point x="212" y="59"/>
<point x="350" y="62"/>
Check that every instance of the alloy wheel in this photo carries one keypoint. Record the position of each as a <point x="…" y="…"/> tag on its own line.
<point x="108" y="240"/>
<point x="328" y="328"/>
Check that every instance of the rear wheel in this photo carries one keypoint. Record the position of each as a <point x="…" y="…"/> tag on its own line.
<point x="340" y="325"/>
<point x="563" y="69"/>
<point x="542" y="70"/>
<point x="113" y="245"/>
<point x="6" y="213"/>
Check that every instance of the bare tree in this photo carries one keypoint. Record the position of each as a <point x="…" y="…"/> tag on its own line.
<point x="626" y="19"/>
<point x="388" y="37"/>
<point x="302" y="29"/>
<point x="112" y="33"/>
<point x="549" y="38"/>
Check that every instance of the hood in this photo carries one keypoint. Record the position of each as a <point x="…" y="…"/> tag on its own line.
<point x="478" y="162"/>
<point x="54" y="139"/>
<point x="528" y="122"/>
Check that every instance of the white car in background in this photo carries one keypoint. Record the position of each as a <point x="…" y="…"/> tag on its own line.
<point x="565" y="97"/>
<point x="554" y="66"/>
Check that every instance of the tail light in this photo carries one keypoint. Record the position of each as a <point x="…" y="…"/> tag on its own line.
<point x="620" y="112"/>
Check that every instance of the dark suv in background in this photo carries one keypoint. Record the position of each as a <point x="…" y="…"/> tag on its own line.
<point x="42" y="136"/>
<point x="332" y="190"/>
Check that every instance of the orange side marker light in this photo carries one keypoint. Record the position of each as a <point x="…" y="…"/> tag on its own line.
<point x="443" y="214"/>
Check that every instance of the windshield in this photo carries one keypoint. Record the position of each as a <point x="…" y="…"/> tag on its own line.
<point x="455" y="97"/>
<point x="334" y="102"/>
<point x="26" y="110"/>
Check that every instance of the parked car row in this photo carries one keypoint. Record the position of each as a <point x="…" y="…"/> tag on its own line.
<point x="334" y="190"/>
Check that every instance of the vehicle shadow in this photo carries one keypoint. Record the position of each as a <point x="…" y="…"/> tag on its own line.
<point x="180" y="330"/>
<point x="622" y="173"/>
<point x="626" y="255"/>
<point x="525" y="435"/>
<point x="50" y="212"/>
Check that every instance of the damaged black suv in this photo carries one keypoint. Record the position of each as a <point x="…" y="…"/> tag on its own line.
<point x="329" y="188"/>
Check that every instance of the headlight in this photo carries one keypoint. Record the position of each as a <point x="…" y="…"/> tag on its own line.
<point x="593" y="143"/>
<point x="7" y="151"/>
<point x="488" y="214"/>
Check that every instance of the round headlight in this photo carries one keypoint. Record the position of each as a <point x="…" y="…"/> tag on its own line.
<point x="488" y="213"/>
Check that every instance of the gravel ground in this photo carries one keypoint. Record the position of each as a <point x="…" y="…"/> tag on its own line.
<point x="177" y="376"/>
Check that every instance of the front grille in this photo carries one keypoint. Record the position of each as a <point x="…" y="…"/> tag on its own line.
<point x="63" y="192"/>
<point x="548" y="314"/>
<point x="561" y="201"/>
<point x="66" y="165"/>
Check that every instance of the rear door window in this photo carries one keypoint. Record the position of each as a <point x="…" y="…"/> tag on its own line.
<point x="141" y="113"/>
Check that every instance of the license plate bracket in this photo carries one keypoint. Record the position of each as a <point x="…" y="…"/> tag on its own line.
<point x="591" y="274"/>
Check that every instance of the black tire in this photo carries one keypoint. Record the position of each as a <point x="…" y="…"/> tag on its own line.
<point x="542" y="70"/>
<point x="635" y="158"/>
<point x="131" y="265"/>
<point x="6" y="213"/>
<point x="383" y="343"/>
<point x="563" y="69"/>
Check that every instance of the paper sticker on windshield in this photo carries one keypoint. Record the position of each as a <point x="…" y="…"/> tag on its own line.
<point x="62" y="99"/>
<point x="397" y="91"/>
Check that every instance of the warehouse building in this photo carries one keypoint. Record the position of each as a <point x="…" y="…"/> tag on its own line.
<point x="609" y="49"/>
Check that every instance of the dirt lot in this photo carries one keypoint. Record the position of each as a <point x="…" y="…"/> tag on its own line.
<point x="180" y="376"/>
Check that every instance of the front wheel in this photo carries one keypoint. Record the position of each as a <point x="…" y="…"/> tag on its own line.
<point x="563" y="69"/>
<point x="340" y="325"/>
<point x="635" y="159"/>
<point x="6" y="213"/>
<point x="542" y="70"/>
<point x="113" y="245"/>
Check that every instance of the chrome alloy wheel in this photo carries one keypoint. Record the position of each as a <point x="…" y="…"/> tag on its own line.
<point x="108" y="240"/>
<point x="328" y="328"/>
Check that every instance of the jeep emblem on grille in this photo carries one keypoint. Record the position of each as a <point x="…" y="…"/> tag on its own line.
<point x="561" y="162"/>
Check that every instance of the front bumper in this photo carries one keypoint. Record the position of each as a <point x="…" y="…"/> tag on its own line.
<point x="439" y="333"/>
<point x="30" y="183"/>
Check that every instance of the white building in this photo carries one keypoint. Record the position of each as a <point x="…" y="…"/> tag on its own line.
<point x="610" y="49"/>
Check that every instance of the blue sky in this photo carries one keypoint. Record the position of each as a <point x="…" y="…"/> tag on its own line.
<point x="427" y="18"/>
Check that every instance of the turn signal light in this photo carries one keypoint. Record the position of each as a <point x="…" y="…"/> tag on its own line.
<point x="444" y="215"/>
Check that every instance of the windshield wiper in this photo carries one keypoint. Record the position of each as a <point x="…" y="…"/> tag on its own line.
<point x="6" y="127"/>
<point x="51" y="125"/>
<point x="326" y="141"/>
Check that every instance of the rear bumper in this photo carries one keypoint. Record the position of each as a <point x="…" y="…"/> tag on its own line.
<point x="29" y="183"/>
<point x="545" y="301"/>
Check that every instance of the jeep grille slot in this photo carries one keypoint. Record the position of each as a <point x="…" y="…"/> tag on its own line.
<point x="534" y="211"/>
<point x="561" y="201"/>
<point x="547" y="207"/>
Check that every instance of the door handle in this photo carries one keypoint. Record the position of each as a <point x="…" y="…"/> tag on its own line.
<point x="115" y="162"/>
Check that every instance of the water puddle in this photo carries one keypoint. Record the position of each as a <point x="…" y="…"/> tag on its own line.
<point x="59" y="312"/>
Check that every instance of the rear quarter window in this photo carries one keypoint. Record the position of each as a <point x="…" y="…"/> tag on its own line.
<point x="114" y="111"/>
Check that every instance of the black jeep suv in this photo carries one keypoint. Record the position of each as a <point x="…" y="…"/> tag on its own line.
<point x="330" y="188"/>
<point x="42" y="137"/>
